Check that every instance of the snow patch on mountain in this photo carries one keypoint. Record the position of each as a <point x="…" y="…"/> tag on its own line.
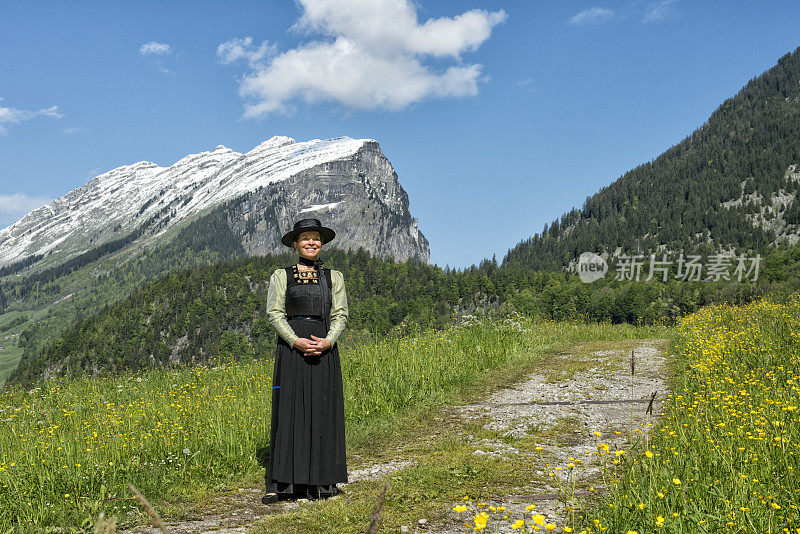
<point x="320" y="207"/>
<point x="116" y="202"/>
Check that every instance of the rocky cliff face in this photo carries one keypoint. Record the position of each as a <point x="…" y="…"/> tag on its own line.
<point x="347" y="183"/>
<point x="358" y="196"/>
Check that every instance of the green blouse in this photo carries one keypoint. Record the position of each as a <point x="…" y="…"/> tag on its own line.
<point x="276" y="306"/>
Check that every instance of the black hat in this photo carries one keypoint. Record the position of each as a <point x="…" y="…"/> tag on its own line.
<point x="305" y="225"/>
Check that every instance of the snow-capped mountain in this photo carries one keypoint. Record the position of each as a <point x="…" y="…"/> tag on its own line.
<point x="338" y="180"/>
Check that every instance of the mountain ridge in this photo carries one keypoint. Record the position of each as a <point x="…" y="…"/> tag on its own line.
<point x="145" y="194"/>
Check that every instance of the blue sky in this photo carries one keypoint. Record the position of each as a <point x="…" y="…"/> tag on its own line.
<point x="498" y="116"/>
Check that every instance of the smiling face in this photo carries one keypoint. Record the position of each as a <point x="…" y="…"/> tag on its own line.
<point x="308" y="244"/>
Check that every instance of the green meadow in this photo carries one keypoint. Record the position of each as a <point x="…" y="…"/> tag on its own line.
<point x="725" y="457"/>
<point x="68" y="448"/>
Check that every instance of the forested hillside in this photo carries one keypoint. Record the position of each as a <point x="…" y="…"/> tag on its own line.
<point x="731" y="185"/>
<point x="212" y="312"/>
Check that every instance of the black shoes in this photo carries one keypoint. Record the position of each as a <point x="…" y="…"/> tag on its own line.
<point x="271" y="498"/>
<point x="315" y="495"/>
<point x="312" y="494"/>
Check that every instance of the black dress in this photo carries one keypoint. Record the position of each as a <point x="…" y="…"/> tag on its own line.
<point x="307" y="443"/>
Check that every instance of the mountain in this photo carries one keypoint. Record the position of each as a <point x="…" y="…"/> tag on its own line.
<point x="731" y="186"/>
<point x="96" y="245"/>
<point x="345" y="182"/>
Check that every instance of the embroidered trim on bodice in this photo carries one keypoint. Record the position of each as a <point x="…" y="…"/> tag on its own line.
<point x="305" y="277"/>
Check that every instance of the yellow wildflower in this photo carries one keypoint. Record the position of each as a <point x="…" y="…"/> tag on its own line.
<point x="481" y="520"/>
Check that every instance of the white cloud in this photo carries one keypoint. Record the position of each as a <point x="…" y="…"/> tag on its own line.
<point x="370" y="57"/>
<point x="392" y="26"/>
<point x="9" y="116"/>
<point x="236" y="49"/>
<point x="154" y="48"/>
<point x="14" y="207"/>
<point x="593" y="15"/>
<point x="72" y="130"/>
<point x="658" y="11"/>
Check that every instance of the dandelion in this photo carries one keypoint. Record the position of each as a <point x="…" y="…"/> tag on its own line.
<point x="676" y="481"/>
<point x="659" y="521"/>
<point x="518" y="524"/>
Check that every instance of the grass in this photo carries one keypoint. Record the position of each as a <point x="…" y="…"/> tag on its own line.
<point x="725" y="457"/>
<point x="445" y="467"/>
<point x="9" y="359"/>
<point x="12" y="353"/>
<point x="68" y="448"/>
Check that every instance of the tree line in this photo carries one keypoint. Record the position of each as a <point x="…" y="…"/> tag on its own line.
<point x="219" y="311"/>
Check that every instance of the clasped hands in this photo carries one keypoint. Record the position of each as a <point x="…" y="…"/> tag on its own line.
<point x="312" y="347"/>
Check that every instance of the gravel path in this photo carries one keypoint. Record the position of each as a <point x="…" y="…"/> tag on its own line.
<point x="566" y="407"/>
<point x="579" y="392"/>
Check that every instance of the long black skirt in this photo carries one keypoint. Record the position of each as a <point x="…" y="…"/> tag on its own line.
<point x="307" y="447"/>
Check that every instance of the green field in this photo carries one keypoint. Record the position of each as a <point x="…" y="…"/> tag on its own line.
<point x="9" y="358"/>
<point x="726" y="455"/>
<point x="68" y="448"/>
<point x="11" y="354"/>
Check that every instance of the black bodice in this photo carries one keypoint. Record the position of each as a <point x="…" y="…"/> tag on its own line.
<point x="304" y="293"/>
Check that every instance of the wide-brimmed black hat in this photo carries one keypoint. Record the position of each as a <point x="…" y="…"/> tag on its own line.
<point x="306" y="225"/>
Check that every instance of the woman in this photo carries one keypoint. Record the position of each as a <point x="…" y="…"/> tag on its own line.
<point x="307" y="305"/>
